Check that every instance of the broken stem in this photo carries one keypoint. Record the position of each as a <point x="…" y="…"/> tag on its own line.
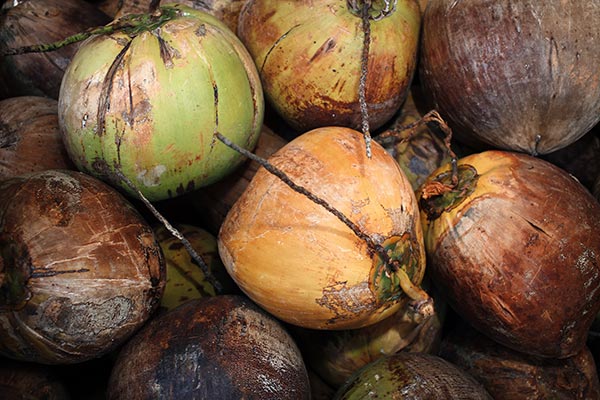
<point x="421" y="304"/>
<point x="413" y="291"/>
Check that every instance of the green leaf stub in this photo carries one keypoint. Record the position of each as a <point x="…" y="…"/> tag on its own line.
<point x="403" y="253"/>
<point x="434" y="206"/>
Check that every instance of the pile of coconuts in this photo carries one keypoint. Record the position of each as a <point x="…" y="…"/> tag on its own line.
<point x="289" y="199"/>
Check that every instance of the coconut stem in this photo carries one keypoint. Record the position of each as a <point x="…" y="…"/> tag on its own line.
<point x="392" y="136"/>
<point x="378" y="9"/>
<point x="422" y="302"/>
<point x="42" y="48"/>
<point x="362" y="84"/>
<point x="188" y="246"/>
<point x="302" y="190"/>
<point x="413" y="291"/>
<point x="131" y="25"/>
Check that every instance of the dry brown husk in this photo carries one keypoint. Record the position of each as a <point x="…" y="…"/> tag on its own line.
<point x="515" y="251"/>
<point x="80" y="270"/>
<point x="35" y="22"/>
<point x="514" y="75"/>
<point x="222" y="347"/>
<point x="30" y="138"/>
<point x="510" y="375"/>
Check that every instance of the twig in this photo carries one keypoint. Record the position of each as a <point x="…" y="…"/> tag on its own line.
<point x="132" y="25"/>
<point x="188" y="246"/>
<point x="373" y="246"/>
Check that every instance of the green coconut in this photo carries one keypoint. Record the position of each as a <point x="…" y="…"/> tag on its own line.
<point x="147" y="99"/>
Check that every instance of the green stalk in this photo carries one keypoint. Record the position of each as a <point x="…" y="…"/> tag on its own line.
<point x="132" y="25"/>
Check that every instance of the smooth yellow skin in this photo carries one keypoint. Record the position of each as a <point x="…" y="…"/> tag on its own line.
<point x="296" y="259"/>
<point x="185" y="279"/>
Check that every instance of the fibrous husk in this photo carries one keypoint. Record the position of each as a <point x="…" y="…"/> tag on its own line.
<point x="222" y="347"/>
<point x="80" y="270"/>
<point x="510" y="375"/>
<point x="514" y="249"/>
<point x="514" y="75"/>
<point x="30" y="138"/>
<point x="40" y="22"/>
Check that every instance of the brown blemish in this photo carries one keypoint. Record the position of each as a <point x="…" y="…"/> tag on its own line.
<point x="60" y="316"/>
<point x="104" y="99"/>
<point x="167" y="52"/>
<point x="61" y="201"/>
<point x="201" y="31"/>
<point x="8" y="137"/>
<point x="50" y="273"/>
<point x="325" y="48"/>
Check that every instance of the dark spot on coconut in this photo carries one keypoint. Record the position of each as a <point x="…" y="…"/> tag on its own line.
<point x="61" y="200"/>
<point x="107" y="83"/>
<point x="142" y="109"/>
<point x="45" y="273"/>
<point x="167" y="53"/>
<point x="325" y="48"/>
<point x="154" y="281"/>
<point x="8" y="137"/>
<point x="175" y="246"/>
<point x="201" y="31"/>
